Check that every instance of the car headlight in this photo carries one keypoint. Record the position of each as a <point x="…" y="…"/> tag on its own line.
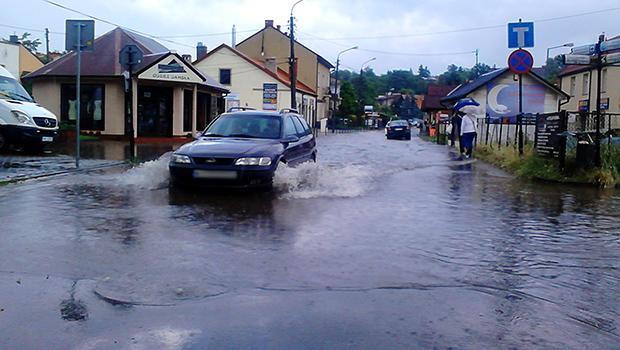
<point x="180" y="159"/>
<point x="23" y="118"/>
<point x="262" y="161"/>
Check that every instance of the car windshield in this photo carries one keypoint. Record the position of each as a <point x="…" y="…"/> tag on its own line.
<point x="10" y="89"/>
<point x="245" y="125"/>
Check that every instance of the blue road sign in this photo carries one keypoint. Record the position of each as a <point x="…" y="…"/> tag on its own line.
<point x="87" y="34"/>
<point x="520" y="34"/>
<point x="520" y="62"/>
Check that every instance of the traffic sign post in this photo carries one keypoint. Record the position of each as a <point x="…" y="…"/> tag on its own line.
<point x="79" y="36"/>
<point x="520" y="62"/>
<point x="129" y="56"/>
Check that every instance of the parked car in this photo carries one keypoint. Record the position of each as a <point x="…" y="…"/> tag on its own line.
<point x="22" y="121"/>
<point x="243" y="149"/>
<point x="398" y="129"/>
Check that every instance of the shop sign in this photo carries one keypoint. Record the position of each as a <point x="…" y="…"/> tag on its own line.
<point x="584" y="105"/>
<point x="605" y="103"/>
<point x="270" y="96"/>
<point x="171" y="69"/>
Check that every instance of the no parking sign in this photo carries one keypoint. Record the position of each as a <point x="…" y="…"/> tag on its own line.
<point x="520" y="61"/>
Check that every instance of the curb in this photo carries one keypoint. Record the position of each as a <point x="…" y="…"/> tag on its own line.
<point x="61" y="172"/>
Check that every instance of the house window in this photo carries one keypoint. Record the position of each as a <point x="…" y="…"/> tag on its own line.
<point x="604" y="80"/>
<point x="225" y="76"/>
<point x="585" y="84"/>
<point x="92" y="105"/>
<point x="573" y="85"/>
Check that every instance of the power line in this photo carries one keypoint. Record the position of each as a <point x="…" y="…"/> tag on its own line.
<point x="113" y="24"/>
<point x="203" y="35"/>
<point x="29" y="29"/>
<point x="463" y="30"/>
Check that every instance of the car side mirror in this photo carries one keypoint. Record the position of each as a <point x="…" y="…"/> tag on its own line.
<point x="290" y="139"/>
<point x="198" y="135"/>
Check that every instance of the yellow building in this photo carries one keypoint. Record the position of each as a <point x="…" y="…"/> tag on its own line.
<point x="312" y="69"/>
<point x="249" y="80"/>
<point x="580" y="82"/>
<point x="17" y="59"/>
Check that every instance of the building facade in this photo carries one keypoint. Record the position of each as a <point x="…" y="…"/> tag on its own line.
<point x="17" y="59"/>
<point x="170" y="96"/>
<point x="258" y="84"/>
<point x="312" y="69"/>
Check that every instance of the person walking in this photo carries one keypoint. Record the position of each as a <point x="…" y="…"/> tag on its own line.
<point x="468" y="107"/>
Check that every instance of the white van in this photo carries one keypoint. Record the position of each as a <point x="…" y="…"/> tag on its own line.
<point x="22" y="121"/>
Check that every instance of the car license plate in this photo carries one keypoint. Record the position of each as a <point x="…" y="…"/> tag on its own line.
<point x="47" y="139"/>
<point x="398" y="129"/>
<point x="215" y="174"/>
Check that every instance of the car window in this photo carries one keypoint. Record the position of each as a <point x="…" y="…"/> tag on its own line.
<point x="300" y="128"/>
<point x="245" y="125"/>
<point x="289" y="127"/>
<point x="305" y="125"/>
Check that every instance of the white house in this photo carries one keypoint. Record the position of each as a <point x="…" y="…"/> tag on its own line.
<point x="253" y="83"/>
<point x="498" y="95"/>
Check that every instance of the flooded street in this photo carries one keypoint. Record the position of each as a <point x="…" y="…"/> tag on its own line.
<point x="381" y="244"/>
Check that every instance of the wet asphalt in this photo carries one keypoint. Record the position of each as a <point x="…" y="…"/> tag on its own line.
<point x="380" y="245"/>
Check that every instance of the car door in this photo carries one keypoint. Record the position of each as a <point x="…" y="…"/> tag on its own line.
<point x="307" y="139"/>
<point x="293" y="150"/>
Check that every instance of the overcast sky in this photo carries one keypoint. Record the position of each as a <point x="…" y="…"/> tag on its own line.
<point x="329" y="26"/>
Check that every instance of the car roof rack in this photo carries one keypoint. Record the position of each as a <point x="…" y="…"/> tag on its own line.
<point x="289" y="110"/>
<point x="236" y="109"/>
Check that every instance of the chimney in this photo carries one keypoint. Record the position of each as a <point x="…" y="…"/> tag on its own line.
<point x="268" y="23"/>
<point x="201" y="51"/>
<point x="187" y="58"/>
<point x="278" y="27"/>
<point x="270" y="63"/>
<point x="14" y="39"/>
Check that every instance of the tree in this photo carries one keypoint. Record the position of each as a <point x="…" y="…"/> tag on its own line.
<point x="454" y="75"/>
<point x="553" y="67"/>
<point x="424" y="72"/>
<point x="31" y="45"/>
<point x="478" y="70"/>
<point x="348" y="99"/>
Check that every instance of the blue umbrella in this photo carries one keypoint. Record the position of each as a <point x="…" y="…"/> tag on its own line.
<point x="465" y="102"/>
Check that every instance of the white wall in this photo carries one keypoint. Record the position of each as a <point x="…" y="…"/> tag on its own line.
<point x="9" y="58"/>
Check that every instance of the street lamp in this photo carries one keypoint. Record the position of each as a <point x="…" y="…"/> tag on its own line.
<point x="557" y="47"/>
<point x="337" y="69"/>
<point x="365" y="63"/>
<point x="292" y="62"/>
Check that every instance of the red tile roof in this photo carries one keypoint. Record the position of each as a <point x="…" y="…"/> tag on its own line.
<point x="432" y="100"/>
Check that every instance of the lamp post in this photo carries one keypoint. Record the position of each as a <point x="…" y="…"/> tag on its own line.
<point x="557" y="47"/>
<point x="365" y="63"/>
<point x="292" y="63"/>
<point x="336" y="83"/>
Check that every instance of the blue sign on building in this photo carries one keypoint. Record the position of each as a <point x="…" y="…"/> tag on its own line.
<point x="520" y="34"/>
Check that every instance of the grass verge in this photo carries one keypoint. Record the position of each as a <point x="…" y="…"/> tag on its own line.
<point x="532" y="166"/>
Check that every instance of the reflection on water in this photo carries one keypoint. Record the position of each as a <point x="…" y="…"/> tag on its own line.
<point x="371" y="214"/>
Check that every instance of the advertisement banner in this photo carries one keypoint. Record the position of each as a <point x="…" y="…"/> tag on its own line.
<point x="270" y="96"/>
<point x="503" y="101"/>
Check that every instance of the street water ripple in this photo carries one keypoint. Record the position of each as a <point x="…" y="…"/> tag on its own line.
<point x="381" y="236"/>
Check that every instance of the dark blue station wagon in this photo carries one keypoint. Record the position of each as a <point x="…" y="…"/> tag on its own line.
<point x="243" y="149"/>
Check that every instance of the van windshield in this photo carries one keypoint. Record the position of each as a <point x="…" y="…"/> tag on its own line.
<point x="10" y="89"/>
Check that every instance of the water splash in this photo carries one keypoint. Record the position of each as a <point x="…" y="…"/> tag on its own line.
<point x="312" y="180"/>
<point x="148" y="175"/>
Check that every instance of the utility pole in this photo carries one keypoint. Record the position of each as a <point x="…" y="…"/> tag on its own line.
<point x="292" y="63"/>
<point x="47" y="44"/>
<point x="476" y="57"/>
<point x="599" y="69"/>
